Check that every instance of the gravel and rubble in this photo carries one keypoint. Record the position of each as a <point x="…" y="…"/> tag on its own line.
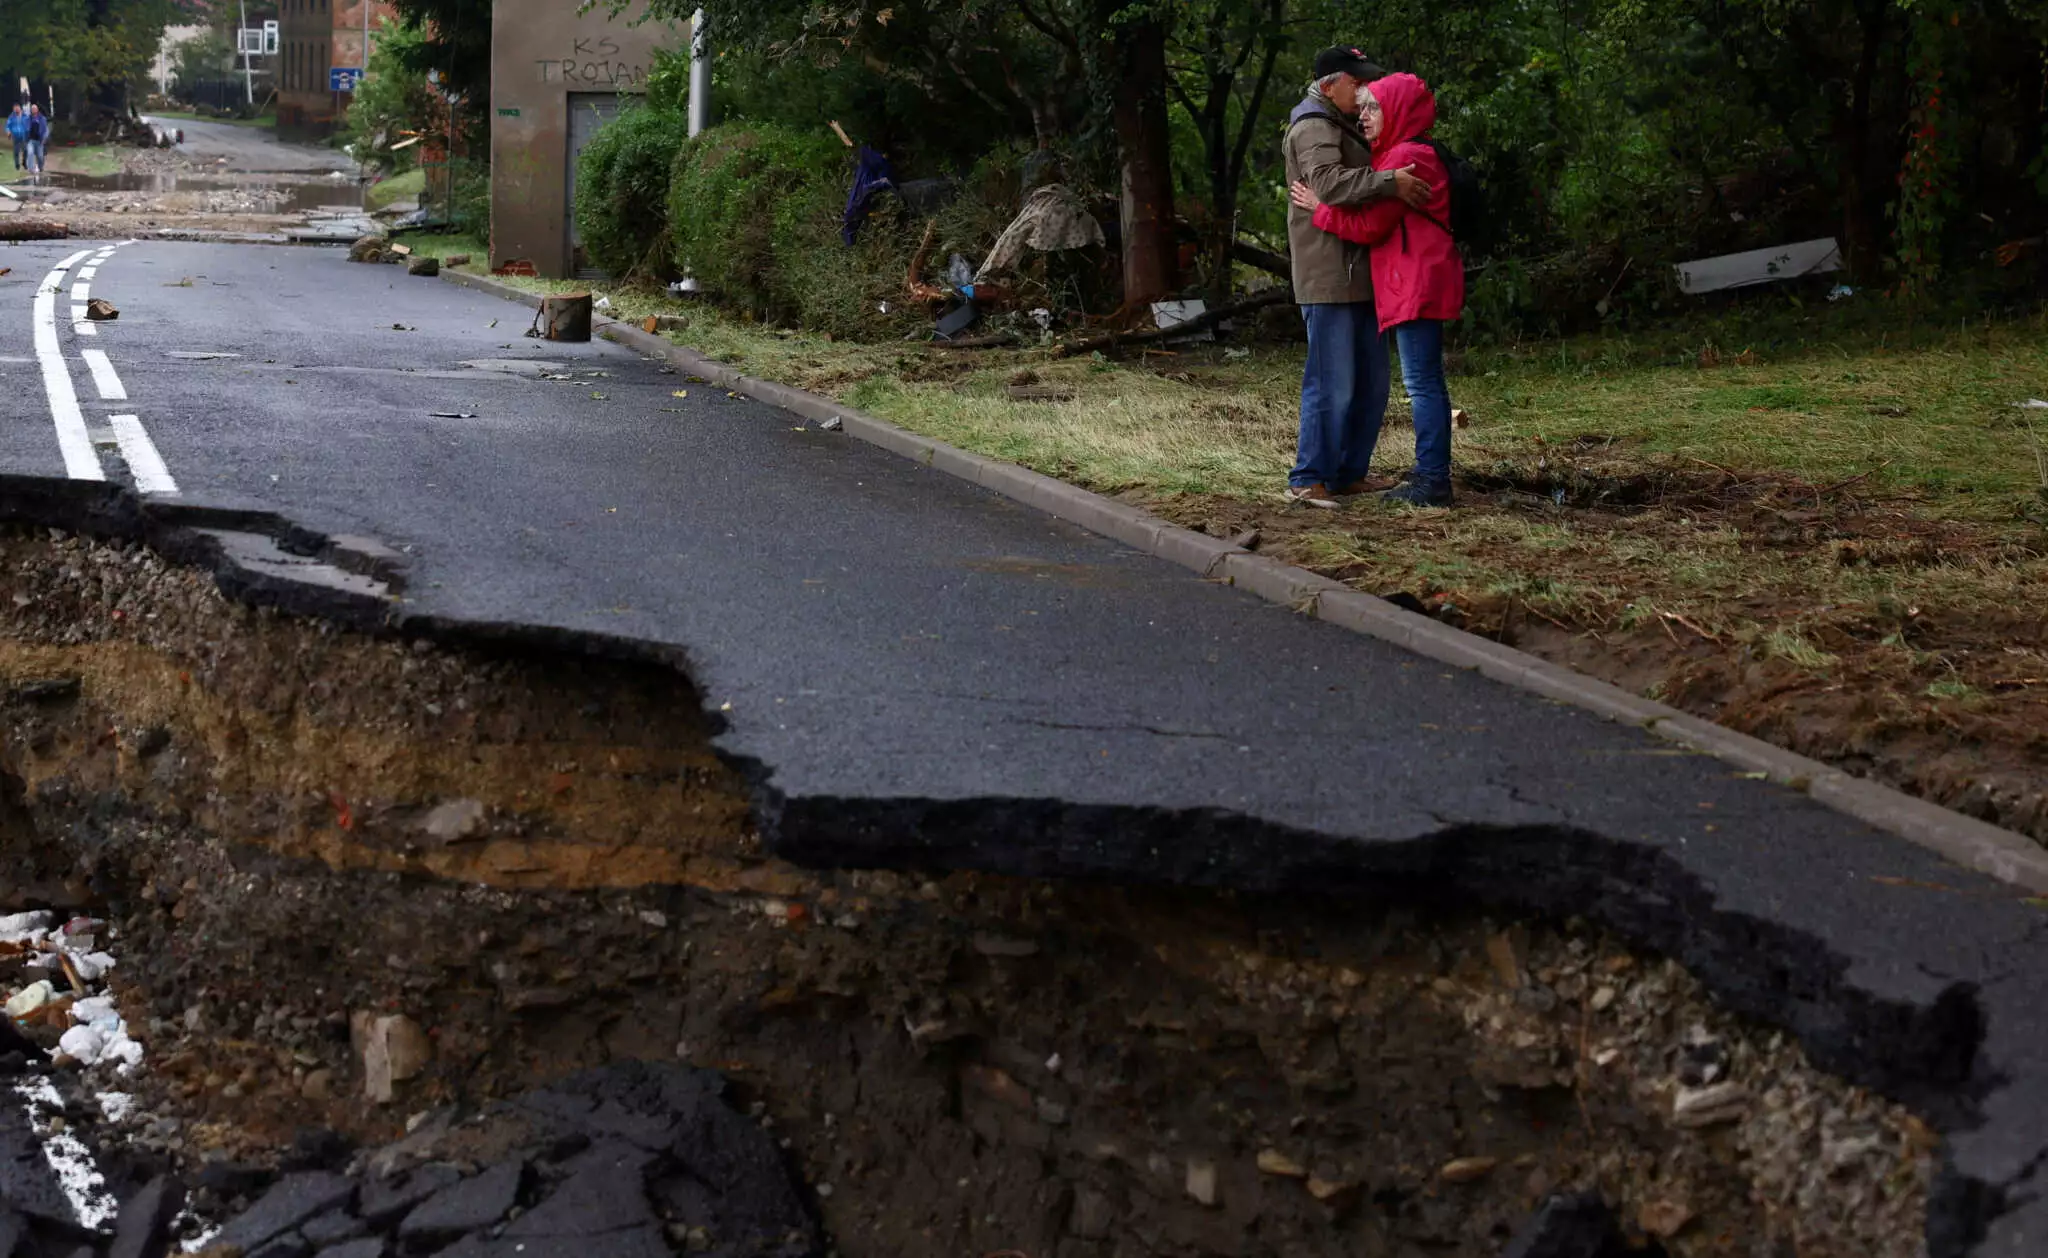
<point x="350" y="881"/>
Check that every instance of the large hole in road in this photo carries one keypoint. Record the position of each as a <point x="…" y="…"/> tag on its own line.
<point x="536" y="857"/>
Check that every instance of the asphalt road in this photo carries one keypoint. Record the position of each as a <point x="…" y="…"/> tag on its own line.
<point x="904" y="654"/>
<point x="255" y="150"/>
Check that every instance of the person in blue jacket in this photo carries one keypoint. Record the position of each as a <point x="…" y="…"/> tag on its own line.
<point x="17" y="127"/>
<point x="38" y="136"/>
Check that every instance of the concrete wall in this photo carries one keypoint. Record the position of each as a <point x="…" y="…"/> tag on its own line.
<point x="541" y="52"/>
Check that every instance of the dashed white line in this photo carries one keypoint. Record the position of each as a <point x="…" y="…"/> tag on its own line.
<point x="75" y="443"/>
<point x="103" y="377"/>
<point x="90" y="269"/>
<point x="80" y="290"/>
<point x="151" y="476"/>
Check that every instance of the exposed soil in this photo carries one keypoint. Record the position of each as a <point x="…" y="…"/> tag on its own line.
<point x="1946" y="700"/>
<point x="539" y="861"/>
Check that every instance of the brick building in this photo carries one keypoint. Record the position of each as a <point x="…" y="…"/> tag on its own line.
<point x="314" y="38"/>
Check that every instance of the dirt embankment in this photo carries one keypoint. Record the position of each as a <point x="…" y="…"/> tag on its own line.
<point x="539" y="861"/>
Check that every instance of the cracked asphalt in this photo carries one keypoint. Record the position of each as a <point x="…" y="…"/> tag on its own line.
<point x="878" y="634"/>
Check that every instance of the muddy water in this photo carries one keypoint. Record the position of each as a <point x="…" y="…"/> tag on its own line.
<point x="294" y="196"/>
<point x="537" y="856"/>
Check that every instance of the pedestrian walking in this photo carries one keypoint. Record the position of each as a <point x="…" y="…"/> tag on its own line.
<point x="38" y="137"/>
<point x="17" y="128"/>
<point x="1344" y="380"/>
<point x="1418" y="276"/>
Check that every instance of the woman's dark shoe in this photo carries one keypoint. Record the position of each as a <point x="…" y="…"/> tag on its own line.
<point x="1418" y="493"/>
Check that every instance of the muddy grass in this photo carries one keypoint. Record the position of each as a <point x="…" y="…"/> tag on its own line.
<point x="538" y="860"/>
<point x="1855" y="630"/>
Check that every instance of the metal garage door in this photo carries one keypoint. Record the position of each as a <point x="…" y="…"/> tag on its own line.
<point x="588" y="113"/>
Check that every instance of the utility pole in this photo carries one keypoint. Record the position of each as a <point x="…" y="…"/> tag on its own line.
<point x="242" y="41"/>
<point x="700" y="75"/>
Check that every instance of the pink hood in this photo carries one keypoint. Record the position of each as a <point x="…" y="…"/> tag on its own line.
<point x="1407" y="110"/>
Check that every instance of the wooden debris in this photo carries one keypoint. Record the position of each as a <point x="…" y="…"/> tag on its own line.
<point x="565" y="317"/>
<point x="1144" y="336"/>
<point x="32" y="229"/>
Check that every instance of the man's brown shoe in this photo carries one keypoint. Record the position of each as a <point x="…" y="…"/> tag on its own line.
<point x="1315" y="495"/>
<point x="1367" y="485"/>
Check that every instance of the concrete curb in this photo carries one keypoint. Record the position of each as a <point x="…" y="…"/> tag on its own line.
<point x="1973" y="844"/>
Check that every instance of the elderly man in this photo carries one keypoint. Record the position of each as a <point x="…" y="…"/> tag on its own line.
<point x="1344" y="382"/>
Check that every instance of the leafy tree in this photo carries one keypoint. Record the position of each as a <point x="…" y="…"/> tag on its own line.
<point x="98" y="46"/>
<point x="390" y="101"/>
<point x="454" y="41"/>
<point x="202" y="58"/>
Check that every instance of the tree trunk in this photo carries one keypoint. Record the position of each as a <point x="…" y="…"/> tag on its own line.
<point x="1860" y="230"/>
<point x="1145" y="145"/>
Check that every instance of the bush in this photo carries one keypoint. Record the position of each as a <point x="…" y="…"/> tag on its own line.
<point x="469" y="208"/>
<point x="622" y="191"/>
<point x="753" y="212"/>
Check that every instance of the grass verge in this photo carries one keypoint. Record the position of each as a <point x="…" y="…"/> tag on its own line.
<point x="387" y="192"/>
<point x="98" y="160"/>
<point x="1839" y="543"/>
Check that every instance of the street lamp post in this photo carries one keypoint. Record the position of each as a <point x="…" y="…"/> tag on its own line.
<point x="242" y="39"/>
<point x="700" y="75"/>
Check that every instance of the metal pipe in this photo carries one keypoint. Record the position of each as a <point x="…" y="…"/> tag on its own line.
<point x="242" y="38"/>
<point x="700" y="75"/>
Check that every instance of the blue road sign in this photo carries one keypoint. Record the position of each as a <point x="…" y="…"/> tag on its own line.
<point x="342" y="78"/>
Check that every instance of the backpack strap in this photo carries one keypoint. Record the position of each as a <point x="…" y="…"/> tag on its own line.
<point x="1434" y="219"/>
<point x="1336" y="120"/>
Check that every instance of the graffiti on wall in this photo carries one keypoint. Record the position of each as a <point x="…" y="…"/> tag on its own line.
<point x="594" y="61"/>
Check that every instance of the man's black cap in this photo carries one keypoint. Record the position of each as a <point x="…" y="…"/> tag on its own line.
<point x="1346" y="60"/>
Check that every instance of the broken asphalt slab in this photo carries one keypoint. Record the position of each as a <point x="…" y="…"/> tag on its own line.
<point x="915" y="672"/>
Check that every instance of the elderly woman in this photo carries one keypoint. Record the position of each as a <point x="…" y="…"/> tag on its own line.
<point x="1418" y="278"/>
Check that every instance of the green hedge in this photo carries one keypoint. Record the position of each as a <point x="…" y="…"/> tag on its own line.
<point x="622" y="191"/>
<point x="754" y="214"/>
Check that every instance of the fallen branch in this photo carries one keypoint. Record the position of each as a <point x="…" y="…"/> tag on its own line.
<point x="913" y="285"/>
<point x="1209" y="319"/>
<point x="1818" y="494"/>
<point x="32" y="229"/>
<point x="1688" y="624"/>
<point x="1264" y="259"/>
<point x="988" y="341"/>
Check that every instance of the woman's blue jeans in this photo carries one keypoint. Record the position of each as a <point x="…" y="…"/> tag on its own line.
<point x="1421" y="346"/>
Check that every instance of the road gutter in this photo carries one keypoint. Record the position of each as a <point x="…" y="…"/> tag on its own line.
<point x="1973" y="844"/>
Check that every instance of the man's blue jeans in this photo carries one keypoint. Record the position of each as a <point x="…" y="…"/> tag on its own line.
<point x="1421" y="344"/>
<point x="35" y="154"/>
<point x="20" y="152"/>
<point x="1343" y="394"/>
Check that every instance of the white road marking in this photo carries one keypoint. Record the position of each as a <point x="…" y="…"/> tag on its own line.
<point x="80" y="463"/>
<point x="103" y="377"/>
<point x="80" y="290"/>
<point x="80" y="324"/>
<point x="77" y="1174"/>
<point x="90" y="269"/>
<point x="151" y="476"/>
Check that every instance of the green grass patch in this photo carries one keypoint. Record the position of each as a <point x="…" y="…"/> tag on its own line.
<point x="97" y="160"/>
<point x="409" y="186"/>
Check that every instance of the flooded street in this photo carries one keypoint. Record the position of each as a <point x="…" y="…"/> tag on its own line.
<point x="218" y="180"/>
